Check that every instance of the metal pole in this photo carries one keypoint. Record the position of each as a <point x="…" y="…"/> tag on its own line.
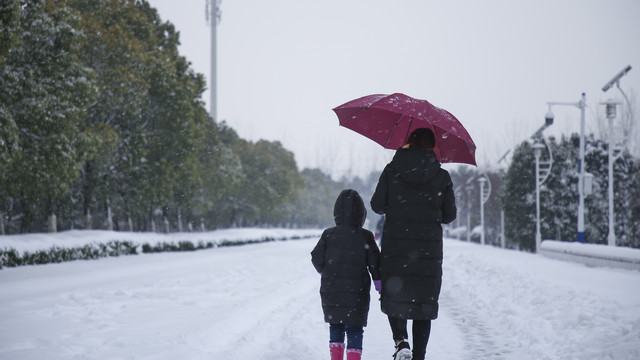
<point x="482" y="181"/>
<point x="214" y="57"/>
<point x="538" y="234"/>
<point x="503" y="241"/>
<point x="458" y="226"/>
<point x="583" y="105"/>
<point x="611" y="115"/>
<point x="468" y="213"/>
<point x="611" y="237"/>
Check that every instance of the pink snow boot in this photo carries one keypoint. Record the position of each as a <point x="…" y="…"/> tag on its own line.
<point x="337" y="350"/>
<point x="354" y="354"/>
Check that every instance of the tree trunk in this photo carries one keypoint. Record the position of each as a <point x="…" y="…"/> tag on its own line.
<point x="52" y="223"/>
<point x="127" y="213"/>
<point x="165" y="219"/>
<point x="109" y="219"/>
<point x="87" y="220"/>
<point x="1" y="223"/>
<point x="179" y="220"/>
<point x="86" y="196"/>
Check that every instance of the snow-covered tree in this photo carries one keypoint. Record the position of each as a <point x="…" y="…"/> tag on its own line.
<point x="219" y="178"/>
<point x="271" y="177"/>
<point x="45" y="90"/>
<point x="9" y="25"/>
<point x="518" y="198"/>
<point x="102" y="125"/>
<point x="626" y="179"/>
<point x="559" y="195"/>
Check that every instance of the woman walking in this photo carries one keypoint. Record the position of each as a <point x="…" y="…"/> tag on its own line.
<point x="416" y="197"/>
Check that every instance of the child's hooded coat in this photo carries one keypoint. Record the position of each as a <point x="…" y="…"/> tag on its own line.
<point x="345" y="255"/>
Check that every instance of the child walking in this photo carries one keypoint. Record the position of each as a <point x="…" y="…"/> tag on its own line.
<point x="344" y="257"/>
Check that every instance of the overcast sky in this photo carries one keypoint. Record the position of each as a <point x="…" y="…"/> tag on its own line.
<point x="284" y="64"/>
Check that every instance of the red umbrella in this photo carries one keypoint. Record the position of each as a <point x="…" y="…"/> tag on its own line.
<point x="390" y="119"/>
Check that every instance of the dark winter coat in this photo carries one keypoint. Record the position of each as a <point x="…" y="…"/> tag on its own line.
<point x="345" y="255"/>
<point x="416" y="196"/>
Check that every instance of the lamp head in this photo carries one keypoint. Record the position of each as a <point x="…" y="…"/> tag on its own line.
<point x="611" y="108"/>
<point x="548" y="118"/>
<point x="616" y="79"/>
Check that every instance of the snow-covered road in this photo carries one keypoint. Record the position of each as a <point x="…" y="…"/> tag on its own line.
<point x="261" y="302"/>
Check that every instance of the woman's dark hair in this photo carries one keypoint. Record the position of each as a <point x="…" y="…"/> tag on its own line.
<point x="422" y="138"/>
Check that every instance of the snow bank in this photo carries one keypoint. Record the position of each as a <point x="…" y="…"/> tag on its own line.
<point x="37" y="249"/>
<point x="79" y="238"/>
<point x="592" y="254"/>
<point x="459" y="232"/>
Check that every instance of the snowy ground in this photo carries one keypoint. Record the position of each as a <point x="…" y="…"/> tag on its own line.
<point x="261" y="302"/>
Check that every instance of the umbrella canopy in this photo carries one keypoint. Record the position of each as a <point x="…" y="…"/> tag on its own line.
<point x="390" y="119"/>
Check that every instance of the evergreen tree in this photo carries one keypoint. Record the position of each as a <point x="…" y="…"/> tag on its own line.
<point x="177" y="122"/>
<point x="149" y="105"/>
<point x="9" y="34"/>
<point x="626" y="183"/>
<point x="313" y="205"/>
<point x="518" y="198"/>
<point x="9" y="25"/>
<point x="559" y="193"/>
<point x="45" y="90"/>
<point x="271" y="177"/>
<point x="115" y="51"/>
<point x="220" y="176"/>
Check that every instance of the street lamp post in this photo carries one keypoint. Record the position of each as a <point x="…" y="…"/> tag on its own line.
<point x="548" y="121"/>
<point x="457" y="192"/>
<point x="503" y="241"/>
<point x="537" y="151"/>
<point x="482" y="181"/>
<point x="582" y="104"/>
<point x="543" y="169"/>
<point x="484" y="196"/>
<point x="611" y="115"/>
<point x="469" y="189"/>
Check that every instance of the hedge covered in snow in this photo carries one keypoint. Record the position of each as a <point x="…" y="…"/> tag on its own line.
<point x="34" y="249"/>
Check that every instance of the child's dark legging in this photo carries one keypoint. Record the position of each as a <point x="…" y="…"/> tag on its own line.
<point x="421" y="330"/>
<point x="354" y="335"/>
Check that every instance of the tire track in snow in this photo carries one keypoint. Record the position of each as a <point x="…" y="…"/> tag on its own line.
<point x="463" y="305"/>
<point x="479" y="343"/>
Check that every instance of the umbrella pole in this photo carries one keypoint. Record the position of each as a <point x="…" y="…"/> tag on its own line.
<point x="394" y="131"/>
